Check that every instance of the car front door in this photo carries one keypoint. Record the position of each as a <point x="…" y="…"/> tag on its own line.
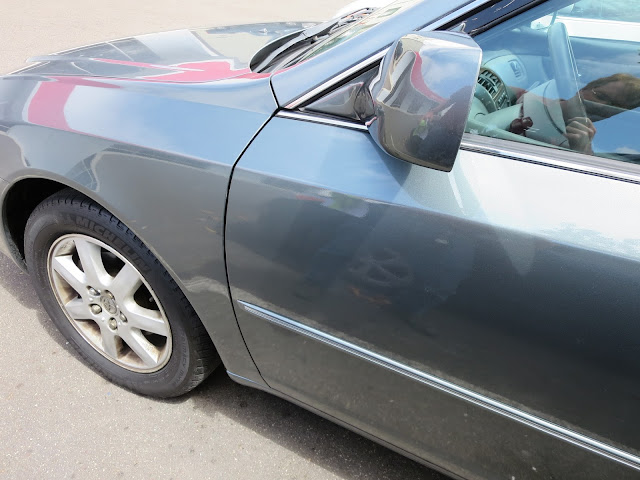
<point x="484" y="319"/>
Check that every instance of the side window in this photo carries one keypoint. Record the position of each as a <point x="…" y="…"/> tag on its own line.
<point x="563" y="76"/>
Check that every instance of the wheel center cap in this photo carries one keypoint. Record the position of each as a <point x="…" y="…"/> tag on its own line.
<point x="109" y="304"/>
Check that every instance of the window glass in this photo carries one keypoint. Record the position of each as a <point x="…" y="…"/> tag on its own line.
<point x="565" y="76"/>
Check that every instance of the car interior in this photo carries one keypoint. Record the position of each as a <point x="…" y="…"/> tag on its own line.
<point x="537" y="77"/>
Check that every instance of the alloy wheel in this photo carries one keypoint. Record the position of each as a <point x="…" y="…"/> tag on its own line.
<point x="109" y="303"/>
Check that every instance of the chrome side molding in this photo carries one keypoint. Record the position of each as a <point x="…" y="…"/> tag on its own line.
<point x="562" y="159"/>
<point x="317" y="118"/>
<point x="483" y="401"/>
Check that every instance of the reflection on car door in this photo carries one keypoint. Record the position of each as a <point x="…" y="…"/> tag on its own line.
<point x="398" y="298"/>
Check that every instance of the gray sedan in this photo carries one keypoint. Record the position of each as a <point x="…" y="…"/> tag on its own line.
<point x="416" y="221"/>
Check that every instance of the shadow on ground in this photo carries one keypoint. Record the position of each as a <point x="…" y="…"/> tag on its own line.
<point x="326" y="444"/>
<point x="18" y="284"/>
<point x="329" y="446"/>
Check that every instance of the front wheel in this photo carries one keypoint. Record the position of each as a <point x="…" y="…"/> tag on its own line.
<point x="114" y="302"/>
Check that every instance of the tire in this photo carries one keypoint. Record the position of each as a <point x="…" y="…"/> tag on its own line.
<point x="112" y="299"/>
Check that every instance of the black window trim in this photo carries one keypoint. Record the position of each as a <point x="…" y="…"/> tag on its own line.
<point x="522" y="152"/>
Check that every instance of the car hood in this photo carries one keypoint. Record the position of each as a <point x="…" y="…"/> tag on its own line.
<point x="181" y="56"/>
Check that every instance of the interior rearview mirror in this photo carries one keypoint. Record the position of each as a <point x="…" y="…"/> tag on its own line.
<point x="422" y="97"/>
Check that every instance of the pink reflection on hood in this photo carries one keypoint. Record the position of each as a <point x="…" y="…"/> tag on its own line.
<point x="192" y="72"/>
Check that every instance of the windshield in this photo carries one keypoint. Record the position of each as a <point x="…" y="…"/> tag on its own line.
<point x="340" y="36"/>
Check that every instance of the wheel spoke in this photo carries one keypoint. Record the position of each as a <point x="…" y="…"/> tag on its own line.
<point x="142" y="347"/>
<point x="77" y="309"/>
<point x="64" y="266"/>
<point x="109" y="342"/>
<point x="91" y="260"/>
<point x="126" y="282"/>
<point x="146" y="319"/>
<point x="110" y="318"/>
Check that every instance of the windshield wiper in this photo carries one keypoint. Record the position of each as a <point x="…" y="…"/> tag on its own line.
<point x="276" y="50"/>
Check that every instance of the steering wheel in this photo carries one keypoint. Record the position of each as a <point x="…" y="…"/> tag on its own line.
<point x="565" y="70"/>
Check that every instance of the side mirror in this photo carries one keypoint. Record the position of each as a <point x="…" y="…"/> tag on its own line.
<point x="422" y="97"/>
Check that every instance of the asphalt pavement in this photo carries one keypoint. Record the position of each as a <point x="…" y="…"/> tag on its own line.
<point x="59" y="419"/>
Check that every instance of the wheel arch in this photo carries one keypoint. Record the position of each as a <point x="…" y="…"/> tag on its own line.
<point x="215" y="312"/>
<point x="19" y="202"/>
<point x="25" y="194"/>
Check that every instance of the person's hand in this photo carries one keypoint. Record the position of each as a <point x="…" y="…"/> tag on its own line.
<point x="580" y="132"/>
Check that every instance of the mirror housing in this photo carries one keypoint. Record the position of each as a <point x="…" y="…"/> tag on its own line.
<point x="422" y="97"/>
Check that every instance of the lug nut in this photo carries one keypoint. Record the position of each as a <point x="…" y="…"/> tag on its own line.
<point x="93" y="291"/>
<point x="123" y="319"/>
<point x="113" y="325"/>
<point x="96" y="309"/>
<point x="109" y="294"/>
